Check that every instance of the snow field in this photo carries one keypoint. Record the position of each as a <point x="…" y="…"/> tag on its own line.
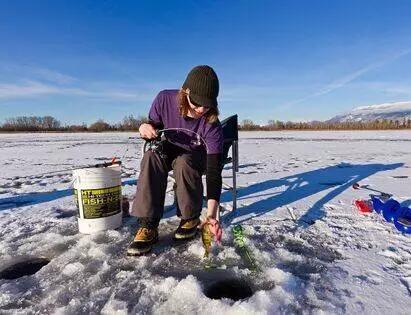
<point x="331" y="260"/>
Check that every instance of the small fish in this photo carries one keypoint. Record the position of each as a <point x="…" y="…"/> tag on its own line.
<point x="207" y="238"/>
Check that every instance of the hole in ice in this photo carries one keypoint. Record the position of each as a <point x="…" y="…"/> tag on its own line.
<point x="62" y="214"/>
<point x="234" y="289"/>
<point x="344" y="165"/>
<point x="23" y="268"/>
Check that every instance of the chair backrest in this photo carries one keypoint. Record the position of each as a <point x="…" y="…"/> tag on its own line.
<point x="230" y="133"/>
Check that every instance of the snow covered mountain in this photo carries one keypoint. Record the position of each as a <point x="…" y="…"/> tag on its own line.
<point x="389" y="111"/>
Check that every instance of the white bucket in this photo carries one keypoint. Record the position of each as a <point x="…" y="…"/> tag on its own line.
<point x="97" y="193"/>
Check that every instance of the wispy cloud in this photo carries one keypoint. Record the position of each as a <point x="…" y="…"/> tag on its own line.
<point x="341" y="82"/>
<point x="19" y="81"/>
<point x="32" y="89"/>
<point x="34" y="72"/>
<point x="52" y="75"/>
<point x="392" y="88"/>
<point x="27" y="89"/>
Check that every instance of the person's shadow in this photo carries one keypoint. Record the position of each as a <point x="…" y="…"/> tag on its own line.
<point x="295" y="187"/>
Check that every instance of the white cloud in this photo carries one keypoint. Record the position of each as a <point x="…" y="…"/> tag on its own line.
<point x="399" y="88"/>
<point x="30" y="89"/>
<point x="348" y="78"/>
<point x="27" y="89"/>
<point x="53" y="76"/>
<point x="19" y="81"/>
<point x="35" y="73"/>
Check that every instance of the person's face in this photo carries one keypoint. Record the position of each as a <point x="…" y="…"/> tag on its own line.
<point x="196" y="110"/>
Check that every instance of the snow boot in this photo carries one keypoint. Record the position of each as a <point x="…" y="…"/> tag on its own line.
<point x="187" y="229"/>
<point x="143" y="241"/>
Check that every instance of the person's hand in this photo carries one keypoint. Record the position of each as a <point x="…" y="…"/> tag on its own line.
<point x="147" y="131"/>
<point x="215" y="228"/>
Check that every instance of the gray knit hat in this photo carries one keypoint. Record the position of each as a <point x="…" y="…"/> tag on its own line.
<point x="203" y="84"/>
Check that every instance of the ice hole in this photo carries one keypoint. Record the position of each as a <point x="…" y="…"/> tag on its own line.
<point x="65" y="214"/>
<point x="234" y="289"/>
<point x="23" y="268"/>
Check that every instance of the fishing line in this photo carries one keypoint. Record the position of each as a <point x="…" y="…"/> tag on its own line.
<point x="126" y="150"/>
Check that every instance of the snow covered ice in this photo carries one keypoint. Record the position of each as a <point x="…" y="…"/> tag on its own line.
<point x="332" y="259"/>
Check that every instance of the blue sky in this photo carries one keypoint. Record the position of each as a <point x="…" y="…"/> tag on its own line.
<point x="289" y="60"/>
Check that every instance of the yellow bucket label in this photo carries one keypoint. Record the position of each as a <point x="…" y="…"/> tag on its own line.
<point x="100" y="203"/>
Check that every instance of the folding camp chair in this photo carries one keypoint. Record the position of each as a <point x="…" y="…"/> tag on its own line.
<point x="230" y="132"/>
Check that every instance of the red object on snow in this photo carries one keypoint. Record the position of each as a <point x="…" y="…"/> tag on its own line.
<point x="364" y="206"/>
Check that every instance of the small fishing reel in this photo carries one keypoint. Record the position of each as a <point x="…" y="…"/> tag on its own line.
<point x="156" y="145"/>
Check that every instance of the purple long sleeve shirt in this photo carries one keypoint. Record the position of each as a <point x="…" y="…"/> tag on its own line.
<point x="164" y="113"/>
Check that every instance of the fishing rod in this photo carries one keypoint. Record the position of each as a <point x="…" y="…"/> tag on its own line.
<point x="114" y="158"/>
<point x="113" y="161"/>
<point x="106" y="164"/>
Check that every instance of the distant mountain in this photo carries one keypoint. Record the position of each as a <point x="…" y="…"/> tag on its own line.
<point x="389" y="111"/>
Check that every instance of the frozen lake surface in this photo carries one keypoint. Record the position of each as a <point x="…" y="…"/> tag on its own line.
<point x="332" y="259"/>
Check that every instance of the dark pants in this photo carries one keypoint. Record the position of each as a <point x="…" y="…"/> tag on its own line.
<point x="188" y="167"/>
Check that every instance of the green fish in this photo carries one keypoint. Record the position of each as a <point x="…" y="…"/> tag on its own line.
<point x="207" y="238"/>
<point x="245" y="253"/>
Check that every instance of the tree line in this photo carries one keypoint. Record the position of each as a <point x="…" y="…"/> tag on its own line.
<point x="381" y="124"/>
<point x="49" y="123"/>
<point x="131" y="123"/>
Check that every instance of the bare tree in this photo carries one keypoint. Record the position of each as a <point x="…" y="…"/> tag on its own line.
<point x="99" y="126"/>
<point x="129" y="123"/>
<point x="31" y="123"/>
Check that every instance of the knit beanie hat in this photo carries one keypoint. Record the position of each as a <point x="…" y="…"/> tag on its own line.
<point x="203" y="84"/>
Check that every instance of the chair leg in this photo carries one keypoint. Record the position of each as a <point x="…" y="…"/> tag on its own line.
<point x="235" y="155"/>
<point x="234" y="189"/>
<point x="235" y="170"/>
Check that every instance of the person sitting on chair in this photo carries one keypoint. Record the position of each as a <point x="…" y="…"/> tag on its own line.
<point x="194" y="145"/>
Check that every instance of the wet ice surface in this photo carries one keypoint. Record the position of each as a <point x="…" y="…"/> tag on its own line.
<point x="331" y="259"/>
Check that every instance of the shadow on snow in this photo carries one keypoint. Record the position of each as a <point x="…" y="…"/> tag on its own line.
<point x="299" y="186"/>
<point x="292" y="188"/>
<point x="37" y="198"/>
